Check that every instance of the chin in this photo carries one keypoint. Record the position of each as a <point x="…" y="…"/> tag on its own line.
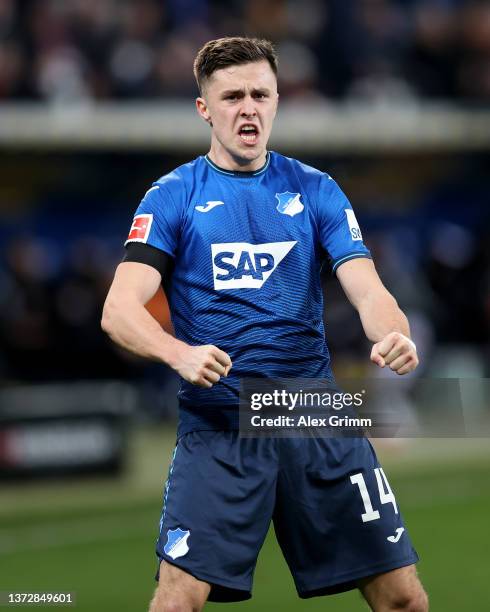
<point x="251" y="154"/>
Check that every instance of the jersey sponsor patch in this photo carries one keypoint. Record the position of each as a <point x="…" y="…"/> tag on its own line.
<point x="289" y="203"/>
<point x="140" y="230"/>
<point x="176" y="545"/>
<point x="355" y="230"/>
<point x="240" y="265"/>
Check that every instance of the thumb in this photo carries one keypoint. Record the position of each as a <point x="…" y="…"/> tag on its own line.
<point x="376" y="357"/>
<point x="227" y="369"/>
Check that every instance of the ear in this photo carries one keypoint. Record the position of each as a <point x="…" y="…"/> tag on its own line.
<point x="202" y="109"/>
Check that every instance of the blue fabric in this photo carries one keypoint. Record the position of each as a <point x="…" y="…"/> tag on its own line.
<point x="223" y="491"/>
<point x="248" y="250"/>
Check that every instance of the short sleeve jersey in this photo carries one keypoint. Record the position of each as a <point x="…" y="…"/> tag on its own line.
<point x="248" y="248"/>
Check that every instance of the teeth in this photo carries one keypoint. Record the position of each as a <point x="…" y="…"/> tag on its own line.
<point x="248" y="133"/>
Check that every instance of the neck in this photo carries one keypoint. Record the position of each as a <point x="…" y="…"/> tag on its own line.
<point x="226" y="160"/>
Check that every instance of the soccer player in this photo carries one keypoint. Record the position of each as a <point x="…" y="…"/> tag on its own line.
<point x="238" y="237"/>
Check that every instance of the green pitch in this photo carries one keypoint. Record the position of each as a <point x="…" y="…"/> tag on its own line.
<point x="97" y="537"/>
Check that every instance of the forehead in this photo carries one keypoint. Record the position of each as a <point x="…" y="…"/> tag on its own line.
<point x="252" y="75"/>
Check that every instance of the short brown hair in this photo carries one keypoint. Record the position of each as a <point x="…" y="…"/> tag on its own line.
<point x="232" y="51"/>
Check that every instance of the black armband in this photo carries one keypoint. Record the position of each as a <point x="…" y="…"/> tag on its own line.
<point x="149" y="255"/>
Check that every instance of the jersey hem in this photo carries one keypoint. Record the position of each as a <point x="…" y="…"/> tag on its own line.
<point x="186" y="431"/>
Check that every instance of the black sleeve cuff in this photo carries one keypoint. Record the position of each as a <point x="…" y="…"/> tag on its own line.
<point x="149" y="255"/>
<point x="361" y="255"/>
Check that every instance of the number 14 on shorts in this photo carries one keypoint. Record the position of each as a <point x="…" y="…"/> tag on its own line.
<point x="385" y="494"/>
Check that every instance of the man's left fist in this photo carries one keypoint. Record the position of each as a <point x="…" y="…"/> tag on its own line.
<point x="396" y="351"/>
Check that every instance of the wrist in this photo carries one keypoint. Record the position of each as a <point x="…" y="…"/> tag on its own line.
<point x="172" y="351"/>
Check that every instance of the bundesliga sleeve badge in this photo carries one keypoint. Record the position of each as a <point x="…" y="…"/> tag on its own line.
<point x="140" y="230"/>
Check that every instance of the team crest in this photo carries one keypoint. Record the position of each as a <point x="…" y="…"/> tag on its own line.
<point x="176" y="545"/>
<point x="289" y="203"/>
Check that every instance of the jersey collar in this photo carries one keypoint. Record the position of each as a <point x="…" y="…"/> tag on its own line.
<point x="239" y="173"/>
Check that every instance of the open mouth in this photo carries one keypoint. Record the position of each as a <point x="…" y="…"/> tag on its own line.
<point x="249" y="134"/>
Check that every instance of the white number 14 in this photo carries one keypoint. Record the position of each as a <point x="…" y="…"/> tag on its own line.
<point x="385" y="494"/>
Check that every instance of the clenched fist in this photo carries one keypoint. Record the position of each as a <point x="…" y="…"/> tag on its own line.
<point x="200" y="365"/>
<point x="396" y="351"/>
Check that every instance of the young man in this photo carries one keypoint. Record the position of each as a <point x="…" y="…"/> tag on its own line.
<point x="242" y="233"/>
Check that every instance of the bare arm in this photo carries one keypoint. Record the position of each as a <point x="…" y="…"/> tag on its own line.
<point x="382" y="320"/>
<point x="128" y="323"/>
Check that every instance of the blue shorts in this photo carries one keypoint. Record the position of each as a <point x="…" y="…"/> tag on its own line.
<point x="334" y="514"/>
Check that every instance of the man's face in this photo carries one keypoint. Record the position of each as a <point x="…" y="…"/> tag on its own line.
<point x="240" y="103"/>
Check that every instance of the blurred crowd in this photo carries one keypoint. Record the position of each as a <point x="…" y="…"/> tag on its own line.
<point x="51" y="297"/>
<point x="397" y="50"/>
<point x="50" y="305"/>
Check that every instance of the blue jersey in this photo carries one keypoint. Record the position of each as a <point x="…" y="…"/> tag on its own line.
<point x="248" y="248"/>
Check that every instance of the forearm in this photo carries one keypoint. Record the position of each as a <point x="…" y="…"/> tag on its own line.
<point x="384" y="323"/>
<point x="380" y="315"/>
<point x="130" y="325"/>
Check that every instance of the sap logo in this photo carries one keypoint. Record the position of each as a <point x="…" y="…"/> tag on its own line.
<point x="240" y="265"/>
<point x="355" y="230"/>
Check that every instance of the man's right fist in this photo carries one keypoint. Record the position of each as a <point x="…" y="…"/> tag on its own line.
<point x="200" y="365"/>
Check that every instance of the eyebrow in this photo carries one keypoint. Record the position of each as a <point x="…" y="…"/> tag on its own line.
<point x="235" y="92"/>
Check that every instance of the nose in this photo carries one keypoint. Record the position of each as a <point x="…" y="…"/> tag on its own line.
<point x="248" y="107"/>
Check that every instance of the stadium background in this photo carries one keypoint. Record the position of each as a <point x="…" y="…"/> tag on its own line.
<point x="391" y="98"/>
